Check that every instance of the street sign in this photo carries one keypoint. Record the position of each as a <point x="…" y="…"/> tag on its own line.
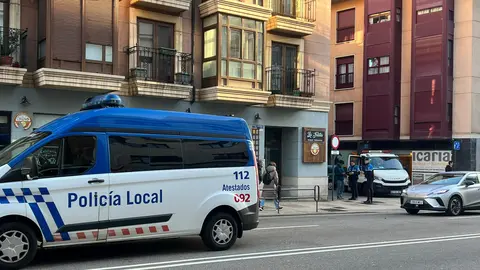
<point x="456" y="145"/>
<point x="335" y="142"/>
<point x="335" y="152"/>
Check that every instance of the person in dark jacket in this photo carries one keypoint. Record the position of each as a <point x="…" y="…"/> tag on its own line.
<point x="353" y="171"/>
<point x="449" y="166"/>
<point x="338" y="177"/>
<point x="368" y="171"/>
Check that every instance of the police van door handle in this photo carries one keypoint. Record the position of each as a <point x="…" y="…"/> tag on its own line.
<point x="96" y="180"/>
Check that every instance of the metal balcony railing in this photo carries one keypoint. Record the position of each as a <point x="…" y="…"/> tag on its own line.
<point x="160" y="65"/>
<point x="298" y="9"/>
<point x="12" y="47"/>
<point x="344" y="80"/>
<point x="290" y="81"/>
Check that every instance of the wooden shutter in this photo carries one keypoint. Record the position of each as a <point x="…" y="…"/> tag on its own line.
<point x="99" y="22"/>
<point x="67" y="33"/>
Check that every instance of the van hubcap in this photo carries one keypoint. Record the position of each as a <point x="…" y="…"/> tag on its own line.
<point x="222" y="231"/>
<point x="14" y="246"/>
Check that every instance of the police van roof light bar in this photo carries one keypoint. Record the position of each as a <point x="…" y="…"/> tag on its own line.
<point x="102" y="101"/>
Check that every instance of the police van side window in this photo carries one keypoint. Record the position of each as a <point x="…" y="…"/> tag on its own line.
<point x="133" y="154"/>
<point x="208" y="154"/>
<point x="62" y="157"/>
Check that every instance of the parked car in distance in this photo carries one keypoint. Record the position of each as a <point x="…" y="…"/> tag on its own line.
<point x="452" y="192"/>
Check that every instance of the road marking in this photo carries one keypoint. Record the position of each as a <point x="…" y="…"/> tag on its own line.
<point x="393" y="212"/>
<point x="467" y="217"/>
<point x="285" y="227"/>
<point x="289" y="252"/>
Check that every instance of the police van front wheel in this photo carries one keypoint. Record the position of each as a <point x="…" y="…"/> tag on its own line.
<point x="220" y="232"/>
<point x="18" y="245"/>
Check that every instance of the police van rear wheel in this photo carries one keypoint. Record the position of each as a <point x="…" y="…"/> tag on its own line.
<point x="220" y="232"/>
<point x="18" y="245"/>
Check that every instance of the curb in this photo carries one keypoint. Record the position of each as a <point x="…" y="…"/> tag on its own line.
<point x="328" y="214"/>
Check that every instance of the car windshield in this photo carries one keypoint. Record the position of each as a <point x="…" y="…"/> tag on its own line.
<point x="444" y="179"/>
<point x="386" y="163"/>
<point x="20" y="145"/>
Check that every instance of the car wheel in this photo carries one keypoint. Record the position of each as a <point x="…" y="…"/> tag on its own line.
<point x="455" y="206"/>
<point x="18" y="245"/>
<point x="220" y="232"/>
<point x="412" y="211"/>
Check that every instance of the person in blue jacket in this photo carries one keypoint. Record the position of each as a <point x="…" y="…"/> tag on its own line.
<point x="368" y="171"/>
<point x="338" y="177"/>
<point x="353" y="171"/>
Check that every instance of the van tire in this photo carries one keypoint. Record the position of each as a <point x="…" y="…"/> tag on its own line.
<point x="24" y="233"/>
<point x="220" y="226"/>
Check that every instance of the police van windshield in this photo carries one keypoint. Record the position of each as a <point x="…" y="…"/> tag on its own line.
<point x="386" y="163"/>
<point x="13" y="150"/>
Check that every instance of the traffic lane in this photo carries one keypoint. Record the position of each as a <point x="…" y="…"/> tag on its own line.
<point x="284" y="232"/>
<point x="422" y="254"/>
<point x="281" y="258"/>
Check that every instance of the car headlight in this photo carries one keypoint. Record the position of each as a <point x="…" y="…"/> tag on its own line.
<point x="377" y="178"/>
<point x="442" y="191"/>
<point x="404" y="192"/>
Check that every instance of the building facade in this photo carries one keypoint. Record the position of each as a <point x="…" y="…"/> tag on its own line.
<point x="404" y="76"/>
<point x="266" y="61"/>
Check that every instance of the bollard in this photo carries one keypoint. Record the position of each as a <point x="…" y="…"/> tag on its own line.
<point x="316" y="195"/>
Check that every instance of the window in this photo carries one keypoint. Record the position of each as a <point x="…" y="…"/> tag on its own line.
<point x="242" y="48"/>
<point x="396" y="115"/>
<point x="450" y="56"/>
<point x="68" y="156"/>
<point x="132" y="154"/>
<point x="473" y="177"/>
<point x="345" y="70"/>
<point x="95" y="52"/>
<point x="344" y="119"/>
<point x="379" y="65"/>
<point x="379" y="17"/>
<point x="208" y="154"/>
<point x="346" y="25"/>
<point x="429" y="10"/>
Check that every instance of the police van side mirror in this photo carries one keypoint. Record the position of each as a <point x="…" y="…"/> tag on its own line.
<point x="27" y="167"/>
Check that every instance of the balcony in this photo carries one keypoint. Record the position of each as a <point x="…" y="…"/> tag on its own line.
<point x="159" y="72"/>
<point x="167" y="6"/>
<point x="12" y="55"/>
<point x="292" y="17"/>
<point x="290" y="87"/>
<point x="234" y="7"/>
<point x="344" y="81"/>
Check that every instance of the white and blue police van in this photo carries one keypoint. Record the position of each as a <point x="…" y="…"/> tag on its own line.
<point x="109" y="173"/>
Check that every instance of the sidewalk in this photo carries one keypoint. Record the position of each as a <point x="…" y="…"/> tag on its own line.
<point x="308" y="207"/>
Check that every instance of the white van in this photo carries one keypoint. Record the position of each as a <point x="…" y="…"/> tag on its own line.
<point x="120" y="174"/>
<point x="389" y="175"/>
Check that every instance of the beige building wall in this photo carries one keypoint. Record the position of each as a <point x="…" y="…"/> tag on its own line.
<point x="406" y="70"/>
<point x="317" y="49"/>
<point x="337" y="50"/>
<point x="466" y="83"/>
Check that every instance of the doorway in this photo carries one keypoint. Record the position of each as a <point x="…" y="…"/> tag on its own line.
<point x="156" y="50"/>
<point x="284" y="68"/>
<point x="5" y="128"/>
<point x="273" y="148"/>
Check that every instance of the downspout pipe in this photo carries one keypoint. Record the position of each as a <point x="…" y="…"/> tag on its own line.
<point x="192" y="40"/>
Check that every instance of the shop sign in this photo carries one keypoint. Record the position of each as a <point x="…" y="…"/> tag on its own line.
<point x="430" y="161"/>
<point x="22" y="120"/>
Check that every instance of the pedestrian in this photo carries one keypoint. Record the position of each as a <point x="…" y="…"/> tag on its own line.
<point x="271" y="179"/>
<point x="261" y="175"/>
<point x="353" y="171"/>
<point x="368" y="171"/>
<point x="339" y="179"/>
<point x="449" y="166"/>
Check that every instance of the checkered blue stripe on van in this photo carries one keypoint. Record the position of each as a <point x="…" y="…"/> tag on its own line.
<point x="42" y="205"/>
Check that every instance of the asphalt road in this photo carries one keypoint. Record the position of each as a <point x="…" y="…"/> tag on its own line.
<point x="349" y="241"/>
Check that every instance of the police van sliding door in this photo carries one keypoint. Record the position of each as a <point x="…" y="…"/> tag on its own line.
<point x="68" y="196"/>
